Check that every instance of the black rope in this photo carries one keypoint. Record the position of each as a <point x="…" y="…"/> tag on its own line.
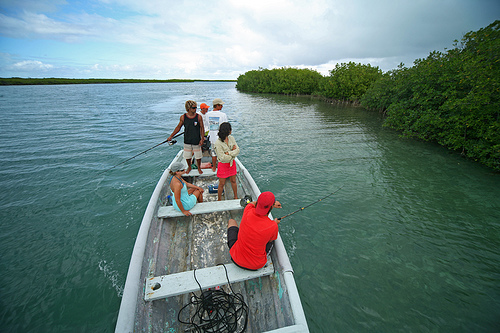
<point x="216" y="310"/>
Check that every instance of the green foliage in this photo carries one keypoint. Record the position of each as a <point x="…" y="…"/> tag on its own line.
<point x="349" y="81"/>
<point x="280" y="81"/>
<point x="451" y="97"/>
<point x="346" y="82"/>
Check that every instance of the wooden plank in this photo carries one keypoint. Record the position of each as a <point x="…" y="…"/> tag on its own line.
<point x="206" y="173"/>
<point x="184" y="282"/>
<point x="201" y="208"/>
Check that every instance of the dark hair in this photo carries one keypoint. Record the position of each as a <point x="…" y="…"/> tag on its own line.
<point x="224" y="130"/>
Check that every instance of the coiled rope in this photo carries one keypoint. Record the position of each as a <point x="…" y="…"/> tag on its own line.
<point x="216" y="310"/>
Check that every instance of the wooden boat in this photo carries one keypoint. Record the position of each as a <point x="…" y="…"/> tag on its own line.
<point x="172" y="249"/>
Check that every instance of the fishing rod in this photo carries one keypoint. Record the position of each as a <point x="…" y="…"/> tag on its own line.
<point x="172" y="142"/>
<point x="302" y="208"/>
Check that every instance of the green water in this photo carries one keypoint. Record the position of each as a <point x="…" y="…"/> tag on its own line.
<point x="409" y="244"/>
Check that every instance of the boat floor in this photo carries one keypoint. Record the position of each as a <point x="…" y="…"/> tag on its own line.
<point x="199" y="241"/>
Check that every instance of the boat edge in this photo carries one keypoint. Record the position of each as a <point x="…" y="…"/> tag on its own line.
<point x="126" y="314"/>
<point x="284" y="261"/>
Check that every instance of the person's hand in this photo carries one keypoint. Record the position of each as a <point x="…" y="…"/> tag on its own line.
<point x="187" y="213"/>
<point x="200" y="189"/>
<point x="234" y="147"/>
<point x="277" y="220"/>
<point x="277" y="204"/>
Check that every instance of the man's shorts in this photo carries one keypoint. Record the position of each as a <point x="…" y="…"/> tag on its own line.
<point x="232" y="235"/>
<point x="190" y="149"/>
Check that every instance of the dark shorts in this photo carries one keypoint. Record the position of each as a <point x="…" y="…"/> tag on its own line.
<point x="232" y="236"/>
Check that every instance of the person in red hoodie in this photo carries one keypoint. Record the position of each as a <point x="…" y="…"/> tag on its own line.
<point x="252" y="240"/>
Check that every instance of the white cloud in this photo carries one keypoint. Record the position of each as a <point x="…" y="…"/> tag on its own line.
<point x="204" y="38"/>
<point x="31" y="65"/>
<point x="38" y="26"/>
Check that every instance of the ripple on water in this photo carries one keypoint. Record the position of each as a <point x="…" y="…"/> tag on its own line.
<point x="408" y="244"/>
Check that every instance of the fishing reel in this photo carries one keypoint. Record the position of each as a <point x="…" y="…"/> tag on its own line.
<point x="173" y="142"/>
<point x="245" y="200"/>
<point x="206" y="144"/>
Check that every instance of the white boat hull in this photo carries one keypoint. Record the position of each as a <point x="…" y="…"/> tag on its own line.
<point x="166" y="246"/>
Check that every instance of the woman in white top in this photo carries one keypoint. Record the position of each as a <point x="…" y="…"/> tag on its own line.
<point x="226" y="149"/>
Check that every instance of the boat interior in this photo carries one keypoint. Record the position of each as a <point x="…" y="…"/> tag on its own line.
<point x="188" y="252"/>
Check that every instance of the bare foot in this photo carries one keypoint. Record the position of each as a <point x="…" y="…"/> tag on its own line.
<point x="188" y="171"/>
<point x="199" y="171"/>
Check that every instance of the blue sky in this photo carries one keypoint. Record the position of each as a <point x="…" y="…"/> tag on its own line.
<point x="165" y="39"/>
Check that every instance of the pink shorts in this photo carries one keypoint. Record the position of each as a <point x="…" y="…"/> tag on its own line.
<point x="225" y="171"/>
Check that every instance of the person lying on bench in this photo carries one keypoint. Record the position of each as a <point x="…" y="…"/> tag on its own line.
<point x="250" y="243"/>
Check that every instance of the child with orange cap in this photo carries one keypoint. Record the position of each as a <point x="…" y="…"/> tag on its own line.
<point x="203" y="112"/>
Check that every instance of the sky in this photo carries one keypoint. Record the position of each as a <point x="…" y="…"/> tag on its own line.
<point x="222" y="39"/>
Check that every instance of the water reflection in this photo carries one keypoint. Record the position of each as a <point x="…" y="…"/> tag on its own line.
<point x="405" y="241"/>
<point x="410" y="243"/>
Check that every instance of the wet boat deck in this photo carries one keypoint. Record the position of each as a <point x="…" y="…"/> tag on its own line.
<point x="199" y="241"/>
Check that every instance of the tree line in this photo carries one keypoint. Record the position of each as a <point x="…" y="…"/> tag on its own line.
<point x="450" y="97"/>
<point x="347" y="81"/>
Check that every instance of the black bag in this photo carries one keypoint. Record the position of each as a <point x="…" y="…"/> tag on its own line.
<point x="206" y="144"/>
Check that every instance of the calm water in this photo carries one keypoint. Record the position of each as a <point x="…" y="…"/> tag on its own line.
<point x="409" y="244"/>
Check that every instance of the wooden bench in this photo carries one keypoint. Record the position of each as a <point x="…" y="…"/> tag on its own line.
<point x="181" y="283"/>
<point x="201" y="208"/>
<point x="206" y="173"/>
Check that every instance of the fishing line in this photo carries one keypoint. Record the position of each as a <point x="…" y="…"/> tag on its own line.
<point x="170" y="143"/>
<point x="302" y="208"/>
<point x="216" y="310"/>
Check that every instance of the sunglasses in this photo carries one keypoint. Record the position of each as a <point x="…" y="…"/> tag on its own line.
<point x="194" y="107"/>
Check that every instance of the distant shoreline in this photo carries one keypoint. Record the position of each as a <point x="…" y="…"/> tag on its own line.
<point x="14" y="81"/>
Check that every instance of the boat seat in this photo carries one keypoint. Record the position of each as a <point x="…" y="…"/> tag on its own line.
<point x="181" y="283"/>
<point x="201" y="208"/>
<point x="206" y="173"/>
